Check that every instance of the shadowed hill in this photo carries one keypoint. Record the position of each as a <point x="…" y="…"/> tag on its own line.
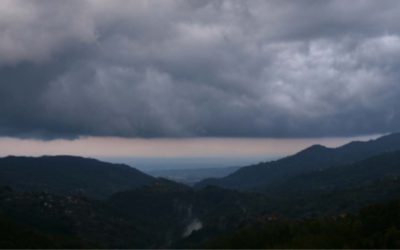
<point x="312" y="158"/>
<point x="365" y="172"/>
<point x="338" y="189"/>
<point x="78" y="217"/>
<point x="18" y="236"/>
<point x="66" y="174"/>
<point x="375" y="227"/>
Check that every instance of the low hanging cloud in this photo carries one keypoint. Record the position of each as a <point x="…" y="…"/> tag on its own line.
<point x="198" y="68"/>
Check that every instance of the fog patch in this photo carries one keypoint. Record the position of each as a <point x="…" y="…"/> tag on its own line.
<point x="193" y="226"/>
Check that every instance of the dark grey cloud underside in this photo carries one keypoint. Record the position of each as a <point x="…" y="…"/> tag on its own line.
<point x="199" y="68"/>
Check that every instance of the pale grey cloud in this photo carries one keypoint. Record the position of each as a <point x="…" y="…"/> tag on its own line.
<point x="33" y="31"/>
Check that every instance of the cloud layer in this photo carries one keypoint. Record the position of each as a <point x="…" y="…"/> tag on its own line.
<point x="199" y="68"/>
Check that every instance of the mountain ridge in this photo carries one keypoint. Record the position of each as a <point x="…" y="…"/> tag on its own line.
<point x="66" y="174"/>
<point x="314" y="157"/>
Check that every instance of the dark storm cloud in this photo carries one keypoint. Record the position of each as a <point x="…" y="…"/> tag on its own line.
<point x="198" y="68"/>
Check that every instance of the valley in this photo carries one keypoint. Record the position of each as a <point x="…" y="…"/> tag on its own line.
<point x="120" y="207"/>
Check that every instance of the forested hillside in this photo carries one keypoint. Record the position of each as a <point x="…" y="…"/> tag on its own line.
<point x="66" y="174"/>
<point x="373" y="227"/>
<point x="314" y="158"/>
<point x="368" y="171"/>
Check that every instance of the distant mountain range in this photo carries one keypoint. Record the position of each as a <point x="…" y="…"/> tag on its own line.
<point x="313" y="158"/>
<point x="73" y="202"/>
<point x="192" y="176"/>
<point x="66" y="174"/>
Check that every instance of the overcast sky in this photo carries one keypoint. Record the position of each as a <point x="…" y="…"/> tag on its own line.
<point x="198" y="68"/>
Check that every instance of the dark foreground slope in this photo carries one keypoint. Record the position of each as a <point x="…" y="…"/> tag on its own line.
<point x="153" y="216"/>
<point x="78" y="217"/>
<point x="296" y="207"/>
<point x="18" y="236"/>
<point x="375" y="226"/>
<point x="165" y="214"/>
<point x="66" y="174"/>
<point x="315" y="157"/>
